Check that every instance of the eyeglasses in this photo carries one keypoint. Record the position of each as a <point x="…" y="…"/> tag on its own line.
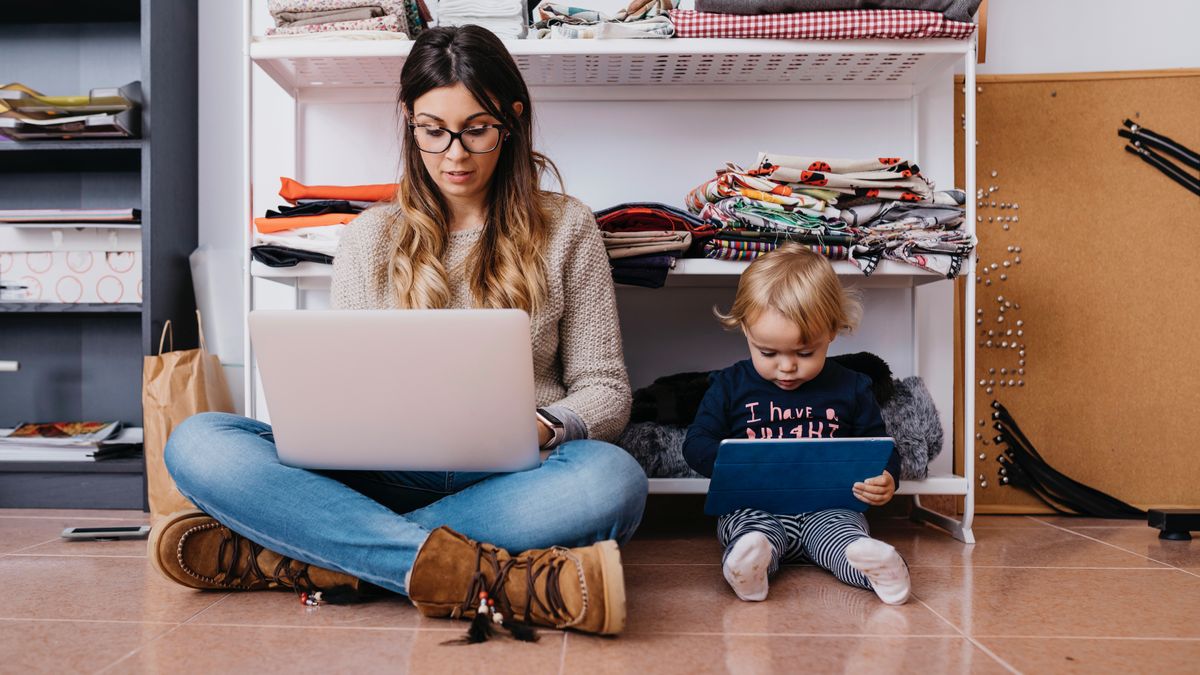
<point x="477" y="140"/>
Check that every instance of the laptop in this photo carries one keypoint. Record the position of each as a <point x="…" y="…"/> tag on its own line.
<point x="399" y="390"/>
<point x="790" y="476"/>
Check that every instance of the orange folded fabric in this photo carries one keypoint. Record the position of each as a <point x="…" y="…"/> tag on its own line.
<point x="269" y="225"/>
<point x="292" y="190"/>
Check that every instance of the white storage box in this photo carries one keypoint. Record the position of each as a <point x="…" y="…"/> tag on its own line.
<point x="67" y="264"/>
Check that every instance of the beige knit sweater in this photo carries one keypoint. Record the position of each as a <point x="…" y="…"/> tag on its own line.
<point x="578" y="363"/>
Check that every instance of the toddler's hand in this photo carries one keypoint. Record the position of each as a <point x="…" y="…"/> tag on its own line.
<point x="876" y="491"/>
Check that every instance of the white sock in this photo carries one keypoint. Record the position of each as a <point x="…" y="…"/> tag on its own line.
<point x="747" y="565"/>
<point x="883" y="566"/>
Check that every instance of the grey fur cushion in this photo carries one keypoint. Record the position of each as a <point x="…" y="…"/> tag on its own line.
<point x="910" y="417"/>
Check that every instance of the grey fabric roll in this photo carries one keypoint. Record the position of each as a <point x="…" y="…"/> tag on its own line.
<point x="658" y="448"/>
<point x="329" y="16"/>
<point x="912" y="419"/>
<point x="955" y="10"/>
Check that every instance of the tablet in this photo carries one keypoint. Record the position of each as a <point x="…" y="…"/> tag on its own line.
<point x="791" y="476"/>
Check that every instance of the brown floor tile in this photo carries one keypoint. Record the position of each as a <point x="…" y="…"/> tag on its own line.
<point x="1145" y="541"/>
<point x="1093" y="656"/>
<point x="695" y="598"/>
<point x="987" y="521"/>
<point x="121" y="547"/>
<point x="21" y="533"/>
<point x="73" y="514"/>
<point x="1072" y="522"/>
<point x="1067" y="602"/>
<point x="664" y="654"/>
<point x="282" y="608"/>
<point x="693" y="550"/>
<point x="117" y="589"/>
<point x="225" y="649"/>
<point x="1038" y="546"/>
<point x="18" y="533"/>
<point x="70" y="646"/>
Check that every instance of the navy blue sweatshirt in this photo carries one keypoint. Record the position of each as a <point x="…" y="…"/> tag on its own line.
<point x="740" y="403"/>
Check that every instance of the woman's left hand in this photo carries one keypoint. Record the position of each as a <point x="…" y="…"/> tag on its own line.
<point x="876" y="491"/>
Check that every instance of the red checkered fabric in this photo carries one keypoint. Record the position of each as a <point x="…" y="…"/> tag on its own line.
<point x="833" y="25"/>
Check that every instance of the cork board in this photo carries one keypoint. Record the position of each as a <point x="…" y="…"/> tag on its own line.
<point x="1105" y="301"/>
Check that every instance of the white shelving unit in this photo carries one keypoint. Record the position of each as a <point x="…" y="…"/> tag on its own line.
<point x="334" y="76"/>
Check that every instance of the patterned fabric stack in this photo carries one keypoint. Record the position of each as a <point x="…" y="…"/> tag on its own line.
<point x="756" y="214"/>
<point x="927" y="234"/>
<point x="641" y="19"/>
<point x="862" y="210"/>
<point x="310" y="228"/>
<point x="832" y="25"/>
<point x="391" y="18"/>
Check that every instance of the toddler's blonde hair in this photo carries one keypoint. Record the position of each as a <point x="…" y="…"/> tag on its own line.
<point x="801" y="285"/>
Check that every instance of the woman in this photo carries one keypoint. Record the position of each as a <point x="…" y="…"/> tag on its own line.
<point x="469" y="227"/>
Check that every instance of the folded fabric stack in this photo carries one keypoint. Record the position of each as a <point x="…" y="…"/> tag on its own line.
<point x="926" y="234"/>
<point x="312" y="17"/>
<point x="641" y="19"/>
<point x="27" y="114"/>
<point x="643" y="240"/>
<point x="955" y="10"/>
<point x="756" y="214"/>
<point x="310" y="227"/>
<point x="852" y="24"/>
<point x="890" y="209"/>
<point x="505" y="18"/>
<point x="863" y="210"/>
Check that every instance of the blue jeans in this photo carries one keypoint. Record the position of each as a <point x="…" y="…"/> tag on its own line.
<point x="370" y="524"/>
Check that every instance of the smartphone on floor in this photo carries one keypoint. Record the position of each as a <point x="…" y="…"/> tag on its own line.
<point x="107" y="533"/>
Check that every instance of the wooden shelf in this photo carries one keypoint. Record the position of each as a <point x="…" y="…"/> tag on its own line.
<point x="106" y="484"/>
<point x="118" y="154"/>
<point x="68" y="11"/>
<point x="130" y="464"/>
<point x="68" y="308"/>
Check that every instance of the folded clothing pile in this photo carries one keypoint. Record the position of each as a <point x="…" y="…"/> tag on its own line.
<point x="641" y="19"/>
<point x="309" y="17"/>
<point x="854" y="24"/>
<point x="310" y="227"/>
<point x="643" y="240"/>
<point x="505" y="18"/>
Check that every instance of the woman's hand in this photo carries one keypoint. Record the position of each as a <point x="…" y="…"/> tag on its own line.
<point x="545" y="433"/>
<point x="876" y="491"/>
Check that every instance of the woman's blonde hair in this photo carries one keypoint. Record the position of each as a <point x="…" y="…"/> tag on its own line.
<point x="799" y="284"/>
<point x="507" y="268"/>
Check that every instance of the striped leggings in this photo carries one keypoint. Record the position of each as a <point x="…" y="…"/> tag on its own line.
<point x="820" y="537"/>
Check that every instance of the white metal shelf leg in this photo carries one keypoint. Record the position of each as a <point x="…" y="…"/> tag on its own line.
<point x="960" y="529"/>
<point x="968" y="318"/>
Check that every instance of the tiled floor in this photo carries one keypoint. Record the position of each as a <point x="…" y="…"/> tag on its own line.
<point x="1036" y="594"/>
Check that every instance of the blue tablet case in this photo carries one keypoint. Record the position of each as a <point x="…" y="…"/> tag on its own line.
<point x="790" y="476"/>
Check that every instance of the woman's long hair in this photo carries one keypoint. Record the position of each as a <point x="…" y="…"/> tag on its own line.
<point x="507" y="268"/>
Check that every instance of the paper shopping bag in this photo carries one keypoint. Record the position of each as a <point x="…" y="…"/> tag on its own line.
<point x="175" y="386"/>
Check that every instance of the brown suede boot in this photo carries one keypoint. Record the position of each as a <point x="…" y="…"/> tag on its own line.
<point x="194" y="550"/>
<point x="578" y="588"/>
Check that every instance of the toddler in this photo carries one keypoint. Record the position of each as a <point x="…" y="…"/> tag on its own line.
<point x="790" y="305"/>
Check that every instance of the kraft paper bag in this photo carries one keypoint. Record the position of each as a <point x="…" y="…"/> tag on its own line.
<point x="175" y="386"/>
